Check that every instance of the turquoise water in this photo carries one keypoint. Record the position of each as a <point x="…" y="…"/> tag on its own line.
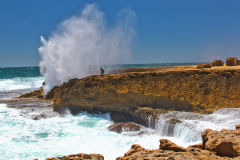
<point x="14" y="72"/>
<point x="24" y="139"/>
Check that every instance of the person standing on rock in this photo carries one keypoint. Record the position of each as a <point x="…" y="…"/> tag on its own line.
<point x="102" y="71"/>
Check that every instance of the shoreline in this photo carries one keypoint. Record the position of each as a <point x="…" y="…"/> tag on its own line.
<point x="138" y="93"/>
<point x="135" y="90"/>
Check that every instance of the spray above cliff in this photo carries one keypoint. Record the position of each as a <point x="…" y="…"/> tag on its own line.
<point x="83" y="41"/>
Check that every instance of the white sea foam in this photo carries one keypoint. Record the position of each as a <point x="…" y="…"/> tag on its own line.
<point x="20" y="83"/>
<point x="83" y="41"/>
<point x="193" y="124"/>
<point x="23" y="138"/>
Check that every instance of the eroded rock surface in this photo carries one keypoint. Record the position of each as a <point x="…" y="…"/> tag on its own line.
<point x="125" y="126"/>
<point x="166" y="144"/>
<point x="217" y="145"/>
<point x="224" y="142"/>
<point x="80" y="156"/>
<point x="135" y="95"/>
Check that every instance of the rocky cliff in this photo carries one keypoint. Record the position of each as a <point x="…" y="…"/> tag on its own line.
<point x="138" y="93"/>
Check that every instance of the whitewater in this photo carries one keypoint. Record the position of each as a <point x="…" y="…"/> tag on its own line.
<point x="22" y="138"/>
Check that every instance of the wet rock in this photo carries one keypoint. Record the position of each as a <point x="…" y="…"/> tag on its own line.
<point x="217" y="63"/>
<point x="35" y="94"/>
<point x="238" y="127"/>
<point x="231" y="61"/>
<point x="39" y="116"/>
<point x="204" y="66"/>
<point x="174" y="121"/>
<point x="166" y="144"/>
<point x="125" y="126"/>
<point x="80" y="156"/>
<point x="217" y="145"/>
<point x="224" y="142"/>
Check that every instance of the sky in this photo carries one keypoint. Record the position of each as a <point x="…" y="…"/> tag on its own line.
<point x="166" y="30"/>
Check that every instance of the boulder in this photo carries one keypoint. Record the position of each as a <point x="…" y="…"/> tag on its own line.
<point x="139" y="153"/>
<point x="125" y="126"/>
<point x="217" y="63"/>
<point x="238" y="61"/>
<point x="199" y="66"/>
<point x="166" y="144"/>
<point x="231" y="61"/>
<point x="238" y="127"/>
<point x="174" y="121"/>
<point x="224" y="142"/>
<point x="80" y="156"/>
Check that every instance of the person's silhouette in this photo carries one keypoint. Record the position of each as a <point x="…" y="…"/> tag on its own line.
<point x="102" y="71"/>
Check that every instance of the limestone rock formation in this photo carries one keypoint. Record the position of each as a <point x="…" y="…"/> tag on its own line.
<point x="135" y="95"/>
<point x="238" y="127"/>
<point x="217" y="63"/>
<point x="34" y="94"/>
<point x="204" y="66"/>
<point x="224" y="142"/>
<point x="216" y="145"/>
<point x="80" y="156"/>
<point x="125" y="126"/>
<point x="139" y="153"/>
<point x="231" y="61"/>
<point x="238" y="61"/>
<point x="166" y="144"/>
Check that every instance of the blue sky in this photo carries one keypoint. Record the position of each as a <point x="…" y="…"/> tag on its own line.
<point x="167" y="30"/>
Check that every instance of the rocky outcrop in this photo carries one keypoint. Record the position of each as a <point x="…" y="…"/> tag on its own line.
<point x="238" y="61"/>
<point x="34" y="94"/>
<point x="217" y="145"/>
<point x="139" y="153"/>
<point x="231" y="61"/>
<point x="166" y="144"/>
<point x="238" y="127"/>
<point x="137" y="94"/>
<point x="80" y="156"/>
<point x="224" y="142"/>
<point x="217" y="63"/>
<point x="204" y="66"/>
<point x="125" y="126"/>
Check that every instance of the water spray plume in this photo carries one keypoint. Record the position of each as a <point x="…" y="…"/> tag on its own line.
<point x="83" y="41"/>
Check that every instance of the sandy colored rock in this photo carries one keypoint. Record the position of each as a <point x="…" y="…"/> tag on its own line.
<point x="135" y="94"/>
<point x="34" y="94"/>
<point x="231" y="61"/>
<point x="166" y="144"/>
<point x="200" y="66"/>
<point x="200" y="146"/>
<point x="140" y="153"/>
<point x="125" y="126"/>
<point x="217" y="63"/>
<point x="238" y="61"/>
<point x="80" y="156"/>
<point x="224" y="142"/>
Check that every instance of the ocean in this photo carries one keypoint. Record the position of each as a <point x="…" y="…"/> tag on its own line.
<point x="23" y="138"/>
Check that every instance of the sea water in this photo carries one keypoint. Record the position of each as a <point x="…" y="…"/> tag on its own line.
<point x="22" y="138"/>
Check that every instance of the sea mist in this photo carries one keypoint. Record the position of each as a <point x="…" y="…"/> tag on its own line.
<point x="83" y="41"/>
